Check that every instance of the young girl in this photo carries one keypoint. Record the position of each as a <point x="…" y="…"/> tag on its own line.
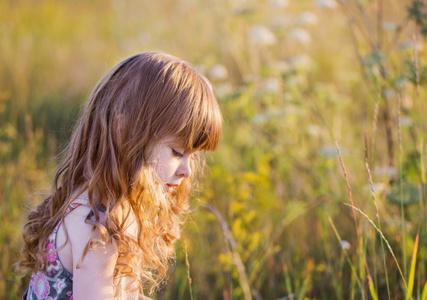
<point x="108" y="226"/>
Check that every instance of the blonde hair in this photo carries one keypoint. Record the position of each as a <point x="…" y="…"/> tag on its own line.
<point x="142" y="100"/>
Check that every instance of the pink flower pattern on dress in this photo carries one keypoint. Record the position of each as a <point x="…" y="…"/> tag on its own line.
<point x="60" y="285"/>
<point x="51" y="255"/>
<point x="41" y="286"/>
<point x="56" y="283"/>
<point x="53" y="263"/>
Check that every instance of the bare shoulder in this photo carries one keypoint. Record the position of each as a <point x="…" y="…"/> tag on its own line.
<point x="77" y="216"/>
<point x="80" y="232"/>
<point x="93" y="272"/>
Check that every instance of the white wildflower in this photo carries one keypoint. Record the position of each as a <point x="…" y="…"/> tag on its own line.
<point x="261" y="35"/>
<point x="279" y="65"/>
<point x="378" y="187"/>
<point x="314" y="130"/>
<point x="390" y="26"/>
<point x="389" y="93"/>
<point x="222" y="89"/>
<point x="218" y="72"/>
<point x="406" y="122"/>
<point x="261" y="118"/>
<point x="250" y="79"/>
<point x="401" y="82"/>
<point x="407" y="45"/>
<point x="279" y="3"/>
<point x="385" y="171"/>
<point x="307" y="18"/>
<point x="327" y="3"/>
<point x="201" y="68"/>
<point x="292" y="81"/>
<point x="345" y="245"/>
<point x="273" y="115"/>
<point x="331" y="151"/>
<point x="301" y="35"/>
<point x="302" y="61"/>
<point x="270" y="86"/>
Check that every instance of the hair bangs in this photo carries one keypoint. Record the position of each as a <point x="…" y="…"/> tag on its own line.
<point x="201" y="129"/>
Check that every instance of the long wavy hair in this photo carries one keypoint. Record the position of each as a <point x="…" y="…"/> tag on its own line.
<point x="142" y="100"/>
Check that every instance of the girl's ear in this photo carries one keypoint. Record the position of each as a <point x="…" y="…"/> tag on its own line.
<point x="118" y="128"/>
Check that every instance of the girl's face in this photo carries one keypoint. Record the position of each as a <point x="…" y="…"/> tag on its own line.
<point x="172" y="163"/>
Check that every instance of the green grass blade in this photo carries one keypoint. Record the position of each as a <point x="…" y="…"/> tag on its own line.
<point x="424" y="293"/>
<point x="385" y="240"/>
<point x="288" y="283"/>
<point x="412" y="271"/>
<point x="353" y="269"/>
<point x="304" y="286"/>
<point x="362" y="264"/>
<point x="372" y="288"/>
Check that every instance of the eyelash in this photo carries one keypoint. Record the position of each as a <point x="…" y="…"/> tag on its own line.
<point x="177" y="154"/>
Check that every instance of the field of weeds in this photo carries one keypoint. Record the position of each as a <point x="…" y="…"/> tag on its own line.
<point x="318" y="187"/>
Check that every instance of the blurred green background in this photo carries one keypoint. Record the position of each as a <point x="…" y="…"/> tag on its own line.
<point x="295" y="79"/>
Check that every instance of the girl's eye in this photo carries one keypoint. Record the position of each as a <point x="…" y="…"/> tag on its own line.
<point x="177" y="153"/>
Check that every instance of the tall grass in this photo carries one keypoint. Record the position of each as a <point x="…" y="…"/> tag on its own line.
<point x="298" y="78"/>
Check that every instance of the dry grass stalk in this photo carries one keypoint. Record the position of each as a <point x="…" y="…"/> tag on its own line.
<point x="352" y="204"/>
<point x="233" y="245"/>
<point x="187" y="263"/>
<point x="376" y="111"/>
<point x="345" y="253"/>
<point x="382" y="236"/>
<point x="399" y="125"/>
<point x="371" y="184"/>
<point x="348" y="187"/>
<point x="417" y="85"/>
<point x="417" y="73"/>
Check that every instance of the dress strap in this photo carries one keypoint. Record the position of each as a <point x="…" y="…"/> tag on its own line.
<point x="76" y="203"/>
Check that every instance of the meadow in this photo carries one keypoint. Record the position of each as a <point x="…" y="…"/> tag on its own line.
<point x="318" y="187"/>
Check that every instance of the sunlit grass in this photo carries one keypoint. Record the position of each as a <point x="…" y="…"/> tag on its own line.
<point x="292" y="77"/>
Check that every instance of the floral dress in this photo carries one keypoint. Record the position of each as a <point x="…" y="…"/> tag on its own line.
<point x="56" y="283"/>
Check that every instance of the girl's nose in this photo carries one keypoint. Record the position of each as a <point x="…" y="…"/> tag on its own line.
<point x="184" y="169"/>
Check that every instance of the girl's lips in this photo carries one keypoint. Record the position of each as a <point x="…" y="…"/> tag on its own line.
<point x="170" y="187"/>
